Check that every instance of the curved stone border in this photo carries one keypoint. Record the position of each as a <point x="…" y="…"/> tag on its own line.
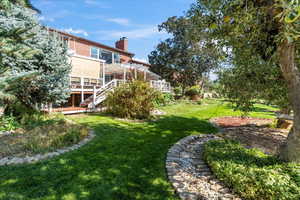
<point x="4" y="133"/>
<point x="39" y="157"/>
<point x="190" y="175"/>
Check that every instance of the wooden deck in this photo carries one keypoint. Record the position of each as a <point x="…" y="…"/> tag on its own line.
<point x="71" y="110"/>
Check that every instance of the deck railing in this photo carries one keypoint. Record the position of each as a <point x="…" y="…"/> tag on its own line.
<point x="162" y="86"/>
<point x="84" y="83"/>
<point x="81" y="83"/>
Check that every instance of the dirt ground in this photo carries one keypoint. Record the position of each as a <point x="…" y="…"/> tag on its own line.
<point x="252" y="132"/>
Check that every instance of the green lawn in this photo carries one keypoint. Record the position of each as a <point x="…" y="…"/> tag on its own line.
<point x="125" y="160"/>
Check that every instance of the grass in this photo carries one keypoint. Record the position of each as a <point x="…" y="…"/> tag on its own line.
<point x="125" y="160"/>
<point x="251" y="173"/>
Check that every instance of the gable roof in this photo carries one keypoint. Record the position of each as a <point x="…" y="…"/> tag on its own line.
<point x="97" y="44"/>
<point x="140" y="62"/>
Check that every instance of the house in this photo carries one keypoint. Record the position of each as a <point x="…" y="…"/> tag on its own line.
<point x="98" y="68"/>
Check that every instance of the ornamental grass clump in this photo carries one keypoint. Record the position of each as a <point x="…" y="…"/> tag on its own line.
<point x="133" y="100"/>
<point x="252" y="174"/>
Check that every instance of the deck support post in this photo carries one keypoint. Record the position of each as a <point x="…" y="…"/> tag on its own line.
<point x="73" y="100"/>
<point x="82" y="94"/>
<point x="145" y="76"/>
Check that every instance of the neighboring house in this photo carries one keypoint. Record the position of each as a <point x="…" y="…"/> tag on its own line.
<point x="98" y="68"/>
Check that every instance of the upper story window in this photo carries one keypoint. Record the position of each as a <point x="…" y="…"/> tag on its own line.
<point x="95" y="52"/>
<point x="108" y="56"/>
<point x="117" y="58"/>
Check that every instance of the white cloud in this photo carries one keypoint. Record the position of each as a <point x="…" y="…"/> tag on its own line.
<point x="120" y="21"/>
<point x="96" y="3"/>
<point x="76" y="31"/>
<point x="138" y="33"/>
<point x="46" y="19"/>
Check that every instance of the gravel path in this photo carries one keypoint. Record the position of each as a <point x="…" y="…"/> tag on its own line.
<point x="190" y="175"/>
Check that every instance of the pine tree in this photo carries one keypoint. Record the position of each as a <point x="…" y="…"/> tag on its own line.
<point x="34" y="65"/>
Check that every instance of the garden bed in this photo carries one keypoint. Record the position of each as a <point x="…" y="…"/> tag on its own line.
<point x="252" y="132"/>
<point x="41" y="139"/>
<point x="251" y="173"/>
<point x="226" y="122"/>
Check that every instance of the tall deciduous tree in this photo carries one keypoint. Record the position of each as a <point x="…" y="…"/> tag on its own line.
<point x="183" y="59"/>
<point x="263" y="30"/>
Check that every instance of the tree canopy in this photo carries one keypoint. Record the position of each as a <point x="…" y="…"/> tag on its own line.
<point x="185" y="57"/>
<point x="262" y="42"/>
<point x="34" y="63"/>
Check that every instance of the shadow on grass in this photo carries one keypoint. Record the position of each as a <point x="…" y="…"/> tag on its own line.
<point x="234" y="153"/>
<point x="124" y="161"/>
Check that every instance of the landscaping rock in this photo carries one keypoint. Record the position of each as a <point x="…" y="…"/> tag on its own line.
<point x="189" y="174"/>
<point x="158" y="112"/>
<point x="3" y="133"/>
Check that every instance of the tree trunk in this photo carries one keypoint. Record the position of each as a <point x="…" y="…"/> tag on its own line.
<point x="291" y="150"/>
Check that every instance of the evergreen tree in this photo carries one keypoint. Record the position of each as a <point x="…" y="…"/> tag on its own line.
<point x="34" y="62"/>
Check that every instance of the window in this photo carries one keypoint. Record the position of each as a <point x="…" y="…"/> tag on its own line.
<point x="75" y="80"/>
<point x="108" y="56"/>
<point x="86" y="81"/>
<point x="117" y="58"/>
<point x="95" y="52"/>
<point x="93" y="81"/>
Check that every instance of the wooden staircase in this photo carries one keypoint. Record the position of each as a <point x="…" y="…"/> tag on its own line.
<point x="100" y="95"/>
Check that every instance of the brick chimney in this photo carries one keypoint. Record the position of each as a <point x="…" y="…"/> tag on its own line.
<point x="122" y="44"/>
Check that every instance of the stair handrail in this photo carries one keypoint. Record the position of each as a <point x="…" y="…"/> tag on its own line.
<point x="109" y="87"/>
<point x="99" y="91"/>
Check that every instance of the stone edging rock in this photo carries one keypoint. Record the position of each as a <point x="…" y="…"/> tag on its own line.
<point x="3" y="133"/>
<point x="39" y="157"/>
<point x="190" y="175"/>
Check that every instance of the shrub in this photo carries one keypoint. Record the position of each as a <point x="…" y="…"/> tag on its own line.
<point x="177" y="91"/>
<point x="134" y="100"/>
<point x="251" y="173"/>
<point x="164" y="99"/>
<point x="8" y="123"/>
<point x="192" y="91"/>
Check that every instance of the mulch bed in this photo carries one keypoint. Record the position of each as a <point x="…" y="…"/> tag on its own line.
<point x="252" y="133"/>
<point x="226" y="122"/>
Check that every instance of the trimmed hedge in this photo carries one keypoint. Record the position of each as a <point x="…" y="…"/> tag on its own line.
<point x="251" y="173"/>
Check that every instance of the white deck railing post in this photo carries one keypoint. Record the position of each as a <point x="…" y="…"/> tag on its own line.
<point x="103" y="75"/>
<point x="94" y="96"/>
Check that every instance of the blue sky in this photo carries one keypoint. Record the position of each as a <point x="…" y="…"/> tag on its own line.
<point x="105" y="21"/>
